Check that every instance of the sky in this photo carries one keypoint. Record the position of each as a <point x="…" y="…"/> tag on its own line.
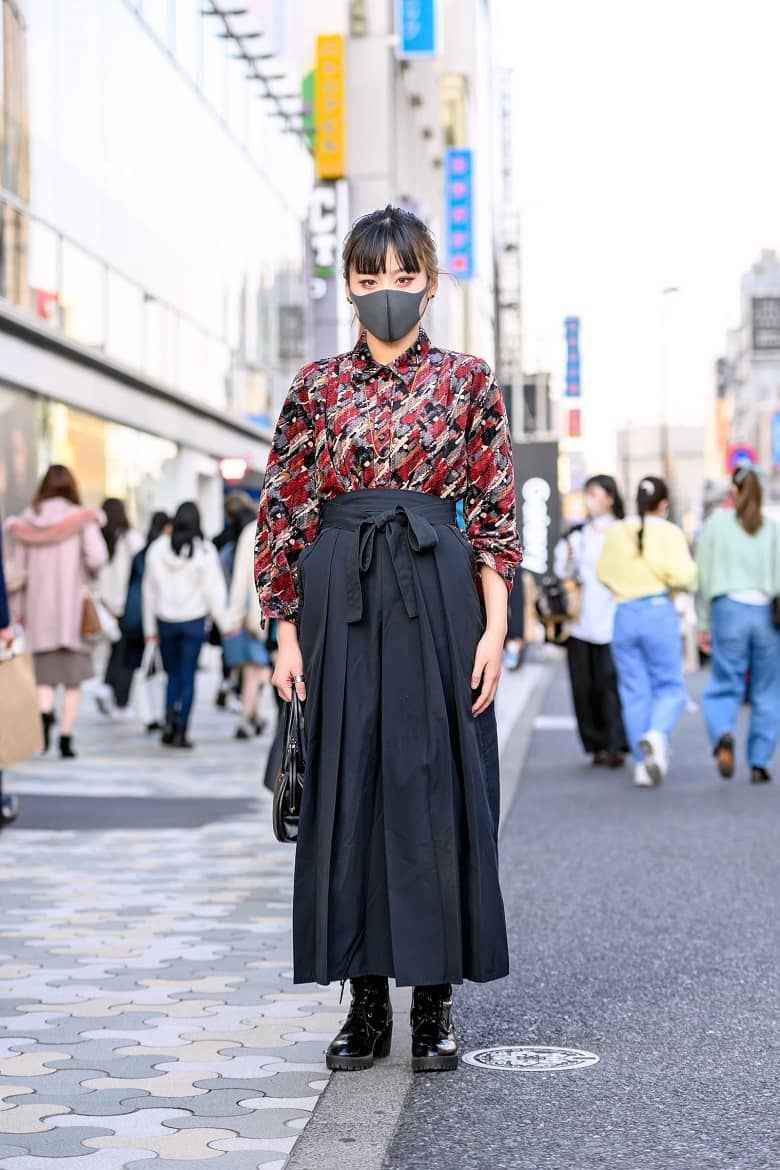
<point x="647" y="157"/>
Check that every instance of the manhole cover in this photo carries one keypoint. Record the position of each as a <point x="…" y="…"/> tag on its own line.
<point x="530" y="1058"/>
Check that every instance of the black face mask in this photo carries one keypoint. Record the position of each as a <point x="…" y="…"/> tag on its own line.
<point x="389" y="314"/>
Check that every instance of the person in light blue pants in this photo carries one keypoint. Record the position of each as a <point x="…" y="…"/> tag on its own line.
<point x="647" y="650"/>
<point x="743" y="638"/>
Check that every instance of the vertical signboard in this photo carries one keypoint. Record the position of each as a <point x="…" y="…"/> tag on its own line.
<point x="776" y="438"/>
<point x="538" y="502"/>
<point x="573" y="385"/>
<point x="459" y="212"/>
<point x="330" y="134"/>
<point x="416" y="27"/>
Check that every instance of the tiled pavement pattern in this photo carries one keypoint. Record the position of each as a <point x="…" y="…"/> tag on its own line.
<point x="147" y="1010"/>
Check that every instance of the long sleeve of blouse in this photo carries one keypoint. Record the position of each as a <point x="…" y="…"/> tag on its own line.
<point x="288" y="516"/>
<point x="431" y="421"/>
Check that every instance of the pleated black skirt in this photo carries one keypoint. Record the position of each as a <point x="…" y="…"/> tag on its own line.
<point x="396" y="869"/>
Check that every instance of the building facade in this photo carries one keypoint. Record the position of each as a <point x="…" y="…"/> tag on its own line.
<point x="748" y="376"/>
<point x="153" y="201"/>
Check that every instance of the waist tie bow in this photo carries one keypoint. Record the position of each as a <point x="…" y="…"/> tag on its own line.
<point x="406" y="532"/>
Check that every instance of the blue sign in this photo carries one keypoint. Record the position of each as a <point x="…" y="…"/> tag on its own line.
<point x="459" y="212"/>
<point x="415" y="26"/>
<point x="573" y="386"/>
<point x="776" y="438"/>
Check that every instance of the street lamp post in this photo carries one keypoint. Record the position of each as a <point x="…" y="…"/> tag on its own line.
<point x="666" y="454"/>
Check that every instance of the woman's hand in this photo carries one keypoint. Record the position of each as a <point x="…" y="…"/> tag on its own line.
<point x="705" y="641"/>
<point x="289" y="662"/>
<point x="487" y="668"/>
<point x="7" y="636"/>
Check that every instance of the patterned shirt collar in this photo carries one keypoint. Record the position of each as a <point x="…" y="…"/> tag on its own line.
<point x="404" y="366"/>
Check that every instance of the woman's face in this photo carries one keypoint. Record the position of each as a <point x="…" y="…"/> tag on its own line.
<point x="597" y="501"/>
<point x="395" y="276"/>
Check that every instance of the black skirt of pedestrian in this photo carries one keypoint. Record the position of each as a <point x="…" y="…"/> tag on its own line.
<point x="396" y="869"/>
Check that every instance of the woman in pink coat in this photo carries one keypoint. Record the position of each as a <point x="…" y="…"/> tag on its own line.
<point x="59" y="549"/>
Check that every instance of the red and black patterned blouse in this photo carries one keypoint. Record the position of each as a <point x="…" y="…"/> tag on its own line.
<point x="431" y="421"/>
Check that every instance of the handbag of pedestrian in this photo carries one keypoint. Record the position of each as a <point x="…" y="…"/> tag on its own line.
<point x="288" y="787"/>
<point x="21" y="735"/>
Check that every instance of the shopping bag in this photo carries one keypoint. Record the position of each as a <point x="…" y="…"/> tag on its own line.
<point x="21" y="735"/>
<point x="149" y="686"/>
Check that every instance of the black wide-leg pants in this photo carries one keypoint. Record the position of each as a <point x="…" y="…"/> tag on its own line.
<point x="396" y="869"/>
<point x="595" y="693"/>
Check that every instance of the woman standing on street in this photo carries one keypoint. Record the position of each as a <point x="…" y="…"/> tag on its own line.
<point x="59" y="551"/>
<point x="183" y="587"/>
<point x="643" y="561"/>
<point x="739" y="575"/>
<point x="391" y="623"/>
<point x="591" y="668"/>
<point x="122" y="543"/>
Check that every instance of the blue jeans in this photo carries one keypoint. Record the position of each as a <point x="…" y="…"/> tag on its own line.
<point x="743" y="638"/>
<point x="180" y="644"/>
<point x="647" y="649"/>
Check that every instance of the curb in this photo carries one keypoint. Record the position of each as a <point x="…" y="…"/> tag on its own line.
<point x="357" y="1115"/>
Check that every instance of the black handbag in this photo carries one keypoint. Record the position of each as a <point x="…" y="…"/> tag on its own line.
<point x="288" y="786"/>
<point x="775" y="603"/>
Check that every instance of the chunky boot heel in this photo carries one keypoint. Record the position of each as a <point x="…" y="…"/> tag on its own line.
<point x="434" y="1043"/>
<point x="368" y="1029"/>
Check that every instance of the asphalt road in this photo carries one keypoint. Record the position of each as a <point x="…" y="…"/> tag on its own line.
<point x="644" y="928"/>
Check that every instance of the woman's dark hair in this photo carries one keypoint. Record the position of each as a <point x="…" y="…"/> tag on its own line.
<point x="57" y="483"/>
<point x="116" y="523"/>
<point x="186" y="528"/>
<point x="608" y="485"/>
<point x="651" y="492"/>
<point x="749" y="498"/>
<point x="156" y="525"/>
<point x="367" y="245"/>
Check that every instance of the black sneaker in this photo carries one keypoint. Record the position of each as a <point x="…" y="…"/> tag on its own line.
<point x="759" y="776"/>
<point x="724" y="756"/>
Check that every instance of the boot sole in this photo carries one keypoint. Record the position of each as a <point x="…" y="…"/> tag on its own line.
<point x="360" y="1063"/>
<point x="434" y="1063"/>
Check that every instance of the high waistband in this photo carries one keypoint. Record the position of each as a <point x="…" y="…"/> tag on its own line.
<point x="377" y="504"/>
<point x="407" y="520"/>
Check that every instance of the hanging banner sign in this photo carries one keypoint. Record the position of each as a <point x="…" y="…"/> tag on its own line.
<point x="416" y="27"/>
<point x="330" y="131"/>
<point x="459" y="212"/>
<point x="573" y="387"/>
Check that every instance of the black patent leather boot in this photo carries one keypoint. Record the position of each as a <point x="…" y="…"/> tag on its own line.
<point x="434" y="1043"/>
<point x="368" y="1028"/>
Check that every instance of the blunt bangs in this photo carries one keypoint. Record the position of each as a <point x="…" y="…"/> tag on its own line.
<point x="395" y="230"/>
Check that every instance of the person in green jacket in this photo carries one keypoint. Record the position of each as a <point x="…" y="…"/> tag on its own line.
<point x="739" y="575"/>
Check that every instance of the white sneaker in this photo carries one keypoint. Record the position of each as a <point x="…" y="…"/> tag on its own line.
<point x="642" y="777"/>
<point x="653" y="746"/>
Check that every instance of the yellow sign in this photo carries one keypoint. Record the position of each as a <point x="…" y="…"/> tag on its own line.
<point x="330" y="135"/>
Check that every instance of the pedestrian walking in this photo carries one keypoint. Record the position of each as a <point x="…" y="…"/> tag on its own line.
<point x="591" y="666"/>
<point x="739" y="577"/>
<point x="644" y="561"/>
<point x="182" y="588"/>
<point x="122" y="543"/>
<point x="132" y="622"/>
<point x="240" y="510"/>
<point x="245" y="645"/>
<point x="391" y="624"/>
<point x="9" y="805"/>
<point x="59" y="552"/>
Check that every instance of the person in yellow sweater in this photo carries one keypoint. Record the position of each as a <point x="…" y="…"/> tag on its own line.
<point x="644" y="561"/>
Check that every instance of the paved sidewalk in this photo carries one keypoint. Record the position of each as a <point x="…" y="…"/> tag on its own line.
<point x="147" y="1011"/>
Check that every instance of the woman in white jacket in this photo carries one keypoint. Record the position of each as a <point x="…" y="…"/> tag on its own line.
<point x="591" y="669"/>
<point x="122" y="543"/>
<point x="183" y="586"/>
<point x="245" y="644"/>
